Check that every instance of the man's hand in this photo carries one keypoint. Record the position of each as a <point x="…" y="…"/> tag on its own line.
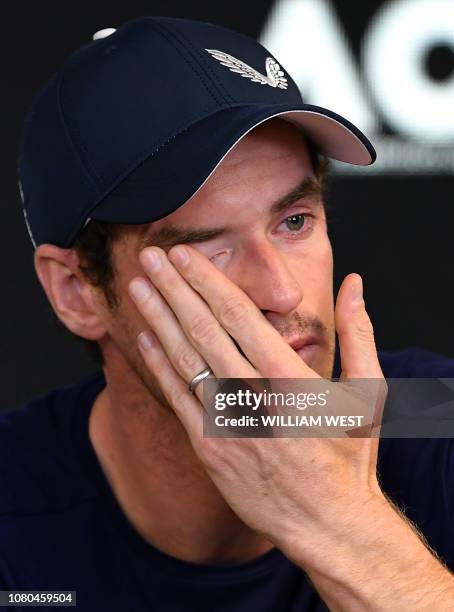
<point x="314" y="498"/>
<point x="195" y="311"/>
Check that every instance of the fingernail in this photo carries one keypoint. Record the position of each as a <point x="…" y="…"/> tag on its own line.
<point x="178" y="255"/>
<point x="357" y="291"/>
<point x="146" y="340"/>
<point x="151" y="260"/>
<point x="140" y="289"/>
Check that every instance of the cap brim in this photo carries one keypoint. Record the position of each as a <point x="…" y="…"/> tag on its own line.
<point x="173" y="174"/>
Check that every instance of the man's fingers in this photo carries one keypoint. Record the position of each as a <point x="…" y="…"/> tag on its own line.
<point x="186" y="406"/>
<point x="358" y="352"/>
<point x="356" y="335"/>
<point x="183" y="321"/>
<point x="183" y="356"/>
<point x="239" y="316"/>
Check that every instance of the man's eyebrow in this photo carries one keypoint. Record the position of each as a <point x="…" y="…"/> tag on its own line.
<point x="168" y="236"/>
<point x="309" y="187"/>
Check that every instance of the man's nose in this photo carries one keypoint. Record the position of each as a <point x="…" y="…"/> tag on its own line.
<point x="265" y="275"/>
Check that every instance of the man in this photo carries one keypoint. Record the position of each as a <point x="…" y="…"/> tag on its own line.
<point x="173" y="192"/>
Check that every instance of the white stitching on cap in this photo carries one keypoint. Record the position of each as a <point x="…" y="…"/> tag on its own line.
<point x="21" y="192"/>
<point x="29" y="228"/>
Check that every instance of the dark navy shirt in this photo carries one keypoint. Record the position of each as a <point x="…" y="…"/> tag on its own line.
<point x="62" y="529"/>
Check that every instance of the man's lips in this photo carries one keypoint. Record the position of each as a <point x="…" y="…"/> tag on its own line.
<point x="306" y="347"/>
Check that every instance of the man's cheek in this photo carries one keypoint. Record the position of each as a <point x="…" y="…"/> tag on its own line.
<point x="318" y="274"/>
<point x="124" y="323"/>
<point x="325" y="254"/>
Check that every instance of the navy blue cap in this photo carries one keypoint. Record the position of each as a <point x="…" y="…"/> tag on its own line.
<point x="135" y="122"/>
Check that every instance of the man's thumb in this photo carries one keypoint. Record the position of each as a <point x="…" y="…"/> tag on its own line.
<point x="356" y="335"/>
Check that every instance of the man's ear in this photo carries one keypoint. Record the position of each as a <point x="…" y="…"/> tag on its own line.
<point x="69" y="293"/>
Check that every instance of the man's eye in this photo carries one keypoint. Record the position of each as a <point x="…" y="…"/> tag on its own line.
<point x="297" y="223"/>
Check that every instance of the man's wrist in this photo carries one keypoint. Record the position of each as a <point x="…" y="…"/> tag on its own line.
<point x="373" y="558"/>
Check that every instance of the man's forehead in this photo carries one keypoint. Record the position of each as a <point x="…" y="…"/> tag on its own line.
<point x="275" y="138"/>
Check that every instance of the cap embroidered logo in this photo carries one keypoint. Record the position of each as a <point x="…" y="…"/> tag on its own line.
<point x="274" y="75"/>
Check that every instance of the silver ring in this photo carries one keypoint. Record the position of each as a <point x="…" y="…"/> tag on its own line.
<point x="197" y="379"/>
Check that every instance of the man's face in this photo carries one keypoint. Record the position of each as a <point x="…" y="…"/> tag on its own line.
<point x="260" y="219"/>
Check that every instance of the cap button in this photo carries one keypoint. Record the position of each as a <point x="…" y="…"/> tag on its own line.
<point x="103" y="33"/>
